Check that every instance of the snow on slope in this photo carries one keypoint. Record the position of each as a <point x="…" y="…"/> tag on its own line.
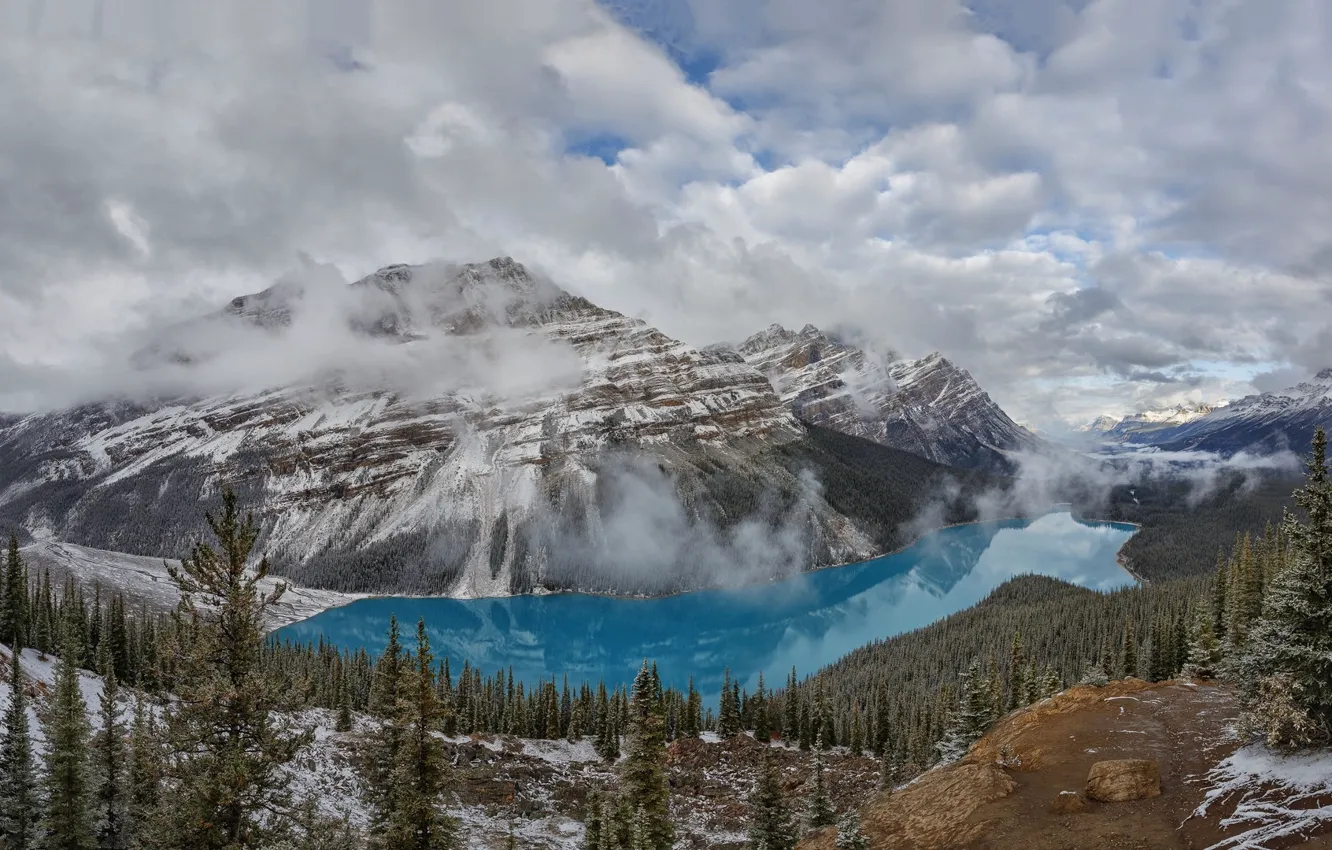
<point x="1280" y="797"/>
<point x="929" y="407"/>
<point x="1283" y="420"/>
<point x="145" y="579"/>
<point x="465" y="430"/>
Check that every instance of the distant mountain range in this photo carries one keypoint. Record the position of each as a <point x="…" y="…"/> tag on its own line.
<point x="1259" y="424"/>
<point x="541" y="442"/>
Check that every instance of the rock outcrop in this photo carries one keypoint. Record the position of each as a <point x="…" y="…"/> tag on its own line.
<point x="929" y="407"/>
<point x="1122" y="780"/>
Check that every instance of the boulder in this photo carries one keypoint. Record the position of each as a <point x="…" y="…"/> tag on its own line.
<point x="1123" y="780"/>
<point x="1068" y="802"/>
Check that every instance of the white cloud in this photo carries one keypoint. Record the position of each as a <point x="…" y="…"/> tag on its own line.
<point x="1080" y="202"/>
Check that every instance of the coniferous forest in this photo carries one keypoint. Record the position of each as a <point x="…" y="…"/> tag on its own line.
<point x="201" y="719"/>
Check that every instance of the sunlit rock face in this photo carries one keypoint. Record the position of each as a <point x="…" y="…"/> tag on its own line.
<point x="929" y="407"/>
<point x="471" y="430"/>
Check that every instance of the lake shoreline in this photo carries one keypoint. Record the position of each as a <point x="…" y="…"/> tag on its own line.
<point x="357" y="597"/>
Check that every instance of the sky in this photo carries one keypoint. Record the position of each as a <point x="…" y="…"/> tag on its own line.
<point x="1094" y="206"/>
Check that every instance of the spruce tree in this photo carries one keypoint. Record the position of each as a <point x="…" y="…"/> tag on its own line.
<point x="1204" y="648"/>
<point x="728" y="714"/>
<point x="112" y="814"/>
<point x="762" y="728"/>
<point x="643" y="774"/>
<point x="693" y="715"/>
<point x="849" y="836"/>
<point x="380" y="745"/>
<point x="592" y="823"/>
<point x="1128" y="652"/>
<point x="791" y="711"/>
<point x="18" y="773"/>
<point x="820" y="812"/>
<point x="14" y="603"/>
<point x="970" y="717"/>
<point x="67" y="817"/>
<point x="227" y="732"/>
<point x="145" y="772"/>
<point x="420" y="775"/>
<point x="883" y="730"/>
<point x="1288" y="663"/>
<point x="770" y="818"/>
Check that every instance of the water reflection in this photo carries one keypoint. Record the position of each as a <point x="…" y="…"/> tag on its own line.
<point x="807" y="622"/>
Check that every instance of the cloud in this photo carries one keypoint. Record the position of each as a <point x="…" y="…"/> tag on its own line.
<point x="1074" y="200"/>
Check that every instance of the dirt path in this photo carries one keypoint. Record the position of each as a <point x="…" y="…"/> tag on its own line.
<point x="1180" y="727"/>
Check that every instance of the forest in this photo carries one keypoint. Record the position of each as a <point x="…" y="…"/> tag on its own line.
<point x="199" y="718"/>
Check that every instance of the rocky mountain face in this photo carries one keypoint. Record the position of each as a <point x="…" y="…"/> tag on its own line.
<point x="1261" y="424"/>
<point x="527" y="439"/>
<point x="1139" y="427"/>
<point x="929" y="407"/>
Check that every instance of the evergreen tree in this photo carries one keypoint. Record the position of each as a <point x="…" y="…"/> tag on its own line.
<point x="109" y="753"/>
<point x="380" y="746"/>
<point x="791" y="711"/>
<point x="1051" y="684"/>
<point x="693" y="715"/>
<point x="820" y="812"/>
<point x="592" y="824"/>
<point x="1204" y="648"/>
<point x="849" y="836"/>
<point x="643" y="773"/>
<point x="770" y="819"/>
<point x="1128" y="652"/>
<point x="14" y="602"/>
<point x="229" y="741"/>
<point x="1017" y="668"/>
<point x="762" y="728"/>
<point x="883" y="730"/>
<point x="1288" y="664"/>
<point x="971" y="716"/>
<point x="420" y="774"/>
<point x="145" y="770"/>
<point x="18" y="775"/>
<point x="728" y="714"/>
<point x="67" y="818"/>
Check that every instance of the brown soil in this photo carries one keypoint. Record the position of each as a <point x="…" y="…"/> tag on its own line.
<point x="1000" y="796"/>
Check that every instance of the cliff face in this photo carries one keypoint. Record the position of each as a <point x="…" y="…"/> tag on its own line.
<point x="534" y="429"/>
<point x="929" y="407"/>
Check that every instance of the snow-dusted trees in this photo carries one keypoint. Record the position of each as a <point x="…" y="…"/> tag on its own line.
<point x="1286" y="660"/>
<point x="770" y="826"/>
<point x="18" y="773"/>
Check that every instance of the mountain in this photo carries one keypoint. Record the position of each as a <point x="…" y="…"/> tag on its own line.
<point x="1261" y="424"/>
<point x="1100" y="425"/>
<point x="929" y="407"/>
<point x="470" y="430"/>
<point x="1138" y="425"/>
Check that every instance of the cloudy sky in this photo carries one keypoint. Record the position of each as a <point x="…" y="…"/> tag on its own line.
<point x="1092" y="206"/>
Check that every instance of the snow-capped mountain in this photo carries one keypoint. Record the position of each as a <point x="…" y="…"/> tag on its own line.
<point x="1148" y="421"/>
<point x="1100" y="425"/>
<point x="482" y="432"/>
<point x="929" y="407"/>
<point x="1264" y="423"/>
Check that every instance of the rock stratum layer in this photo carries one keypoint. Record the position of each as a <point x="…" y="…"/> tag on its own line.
<point x="479" y="432"/>
<point x="929" y="407"/>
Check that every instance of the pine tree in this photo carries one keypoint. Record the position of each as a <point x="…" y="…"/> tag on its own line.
<point x="1204" y="648"/>
<point x="693" y="715"/>
<point x="770" y="819"/>
<point x="762" y="728"/>
<point x="1051" y="684"/>
<point x="971" y="716"/>
<point x="791" y="711"/>
<point x="420" y="774"/>
<point x="67" y="818"/>
<point x="227" y="727"/>
<point x="820" y="812"/>
<point x="14" y="603"/>
<point x="849" y="836"/>
<point x="728" y="714"/>
<point x="1289" y="660"/>
<point x="18" y="773"/>
<point x="1128" y="652"/>
<point x="592" y="824"/>
<point x="379" y="747"/>
<point x="643" y="774"/>
<point x="111" y="762"/>
<point x="145" y="770"/>
<point x="1017" y="668"/>
<point x="883" y="731"/>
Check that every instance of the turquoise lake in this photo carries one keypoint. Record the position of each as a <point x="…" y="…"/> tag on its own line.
<point x="807" y="621"/>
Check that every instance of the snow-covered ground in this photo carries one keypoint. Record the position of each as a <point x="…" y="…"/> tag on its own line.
<point x="146" y="579"/>
<point x="1276" y="796"/>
